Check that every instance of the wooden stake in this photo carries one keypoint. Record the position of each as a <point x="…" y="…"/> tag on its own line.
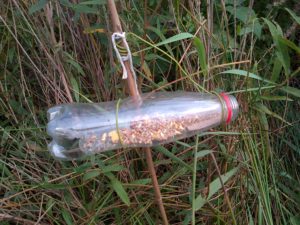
<point x="158" y="197"/>
<point x="135" y="94"/>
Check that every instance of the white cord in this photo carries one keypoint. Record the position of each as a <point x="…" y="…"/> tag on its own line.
<point x="115" y="36"/>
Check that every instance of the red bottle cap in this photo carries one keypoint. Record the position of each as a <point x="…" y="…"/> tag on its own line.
<point x="228" y="106"/>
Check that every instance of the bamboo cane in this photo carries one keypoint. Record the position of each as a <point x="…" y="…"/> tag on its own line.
<point x="135" y="94"/>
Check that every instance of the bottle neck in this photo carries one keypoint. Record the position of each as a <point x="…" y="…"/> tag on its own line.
<point x="230" y="107"/>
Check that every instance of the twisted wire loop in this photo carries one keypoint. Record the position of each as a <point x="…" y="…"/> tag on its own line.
<point x="123" y="53"/>
<point x="224" y="108"/>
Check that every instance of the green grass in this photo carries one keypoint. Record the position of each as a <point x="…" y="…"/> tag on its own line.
<point x="245" y="173"/>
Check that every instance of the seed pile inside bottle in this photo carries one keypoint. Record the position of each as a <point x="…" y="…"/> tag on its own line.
<point x="146" y="131"/>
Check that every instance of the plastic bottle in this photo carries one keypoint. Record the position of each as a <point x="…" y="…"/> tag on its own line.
<point x="83" y="129"/>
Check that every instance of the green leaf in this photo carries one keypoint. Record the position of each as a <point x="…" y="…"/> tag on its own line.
<point x="296" y="18"/>
<point x="254" y="27"/>
<point x="4" y="139"/>
<point x="50" y="203"/>
<point x="289" y="43"/>
<point x="11" y="54"/>
<point x="203" y="153"/>
<point x="277" y="67"/>
<point x="80" y="8"/>
<point x="17" y="107"/>
<point x="37" y="6"/>
<point x="119" y="189"/>
<point x="65" y="3"/>
<point x="91" y="174"/>
<point x="162" y="37"/>
<point x="275" y="98"/>
<point x="201" y="54"/>
<point x="295" y="220"/>
<point x="94" y="2"/>
<point x="141" y="181"/>
<point x="49" y="186"/>
<point x="150" y="57"/>
<point x="67" y="216"/>
<point x="262" y="108"/>
<point x="251" y="221"/>
<point x="234" y="2"/>
<point x="84" y="9"/>
<point x="246" y="74"/>
<point x="282" y="51"/>
<point x="76" y="66"/>
<point x="5" y="172"/>
<point x="172" y="156"/>
<point x="177" y="37"/>
<point x="112" y="168"/>
<point x="283" y="61"/>
<point x="242" y="13"/>
<point x="294" y="147"/>
<point x="214" y="187"/>
<point x="291" y="90"/>
<point x="82" y="168"/>
<point x="199" y="202"/>
<point x="273" y="29"/>
<point x="75" y="88"/>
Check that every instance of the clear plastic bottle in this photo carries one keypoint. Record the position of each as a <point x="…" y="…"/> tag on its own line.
<point x="82" y="129"/>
